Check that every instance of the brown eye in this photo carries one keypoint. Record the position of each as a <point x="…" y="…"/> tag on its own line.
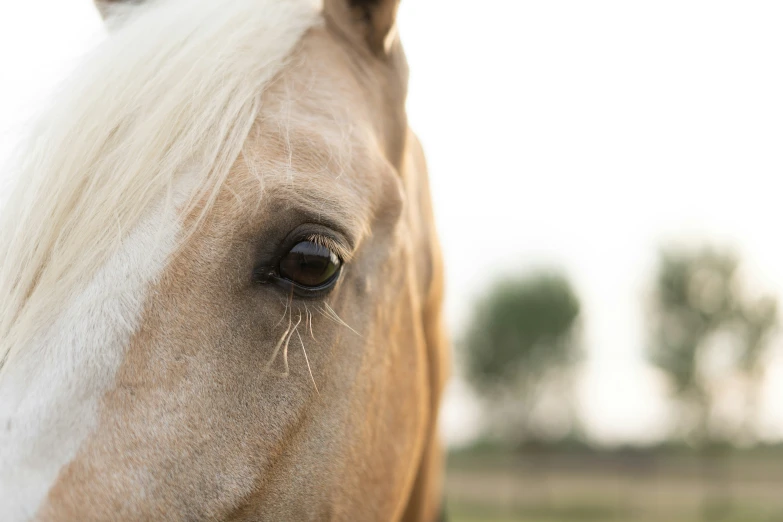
<point x="310" y="265"/>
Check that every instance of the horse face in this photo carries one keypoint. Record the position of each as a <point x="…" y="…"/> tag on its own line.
<point x="286" y="361"/>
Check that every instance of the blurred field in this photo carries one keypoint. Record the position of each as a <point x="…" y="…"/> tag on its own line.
<point x="615" y="487"/>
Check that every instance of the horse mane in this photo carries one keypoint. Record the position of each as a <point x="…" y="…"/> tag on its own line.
<point x="175" y="88"/>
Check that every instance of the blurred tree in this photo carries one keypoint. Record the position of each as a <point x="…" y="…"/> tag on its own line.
<point x="758" y="320"/>
<point x="700" y="310"/>
<point x="699" y="302"/>
<point x="523" y="335"/>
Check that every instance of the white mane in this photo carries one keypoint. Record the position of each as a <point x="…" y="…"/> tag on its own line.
<point x="176" y="86"/>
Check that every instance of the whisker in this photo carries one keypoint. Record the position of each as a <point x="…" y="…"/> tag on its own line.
<point x="279" y="344"/>
<point x="287" y="304"/>
<point x="285" y="350"/>
<point x="307" y="360"/>
<point x="333" y="315"/>
<point x="310" y="319"/>
<point x="289" y="310"/>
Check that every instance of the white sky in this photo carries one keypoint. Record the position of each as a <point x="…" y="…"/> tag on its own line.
<point x="577" y="133"/>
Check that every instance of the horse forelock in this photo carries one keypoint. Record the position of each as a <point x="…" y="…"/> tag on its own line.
<point x="172" y="91"/>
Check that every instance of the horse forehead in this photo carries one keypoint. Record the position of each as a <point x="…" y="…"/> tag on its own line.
<point x="331" y="100"/>
<point x="314" y="158"/>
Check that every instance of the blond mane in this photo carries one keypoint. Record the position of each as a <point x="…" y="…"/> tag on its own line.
<point x="174" y="89"/>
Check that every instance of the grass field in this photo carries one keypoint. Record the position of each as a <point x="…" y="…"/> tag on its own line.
<point x="611" y="488"/>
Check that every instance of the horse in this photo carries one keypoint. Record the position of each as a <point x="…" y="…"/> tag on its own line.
<point x="221" y="281"/>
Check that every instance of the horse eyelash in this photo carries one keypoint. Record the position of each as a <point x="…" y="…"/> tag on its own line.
<point x="335" y="246"/>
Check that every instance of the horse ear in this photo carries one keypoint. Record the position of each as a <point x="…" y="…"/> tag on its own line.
<point x="108" y="7"/>
<point x="373" y="20"/>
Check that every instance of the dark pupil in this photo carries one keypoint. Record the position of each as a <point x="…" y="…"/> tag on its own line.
<point x="309" y="264"/>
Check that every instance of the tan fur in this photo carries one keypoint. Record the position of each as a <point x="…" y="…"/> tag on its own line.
<point x="195" y="429"/>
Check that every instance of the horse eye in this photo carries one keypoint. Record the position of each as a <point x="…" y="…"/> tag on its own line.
<point x="309" y="265"/>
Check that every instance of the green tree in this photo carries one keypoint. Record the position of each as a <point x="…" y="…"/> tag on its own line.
<point x="700" y="305"/>
<point x="523" y="335"/>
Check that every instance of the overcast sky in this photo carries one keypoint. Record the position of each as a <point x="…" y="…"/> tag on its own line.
<point x="579" y="134"/>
